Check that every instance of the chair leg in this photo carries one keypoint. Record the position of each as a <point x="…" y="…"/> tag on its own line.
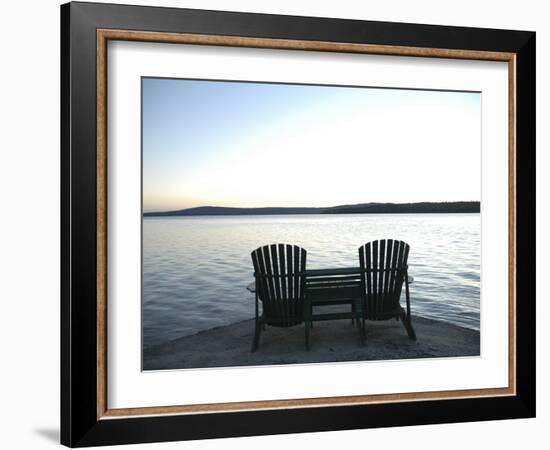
<point x="308" y="323"/>
<point x="362" y="334"/>
<point x="358" y="324"/>
<point x="256" y="340"/>
<point x="407" y="323"/>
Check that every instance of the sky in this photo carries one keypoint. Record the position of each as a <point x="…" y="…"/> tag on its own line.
<point x="246" y="144"/>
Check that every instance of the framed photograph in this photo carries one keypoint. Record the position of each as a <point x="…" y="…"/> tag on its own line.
<point x="278" y="224"/>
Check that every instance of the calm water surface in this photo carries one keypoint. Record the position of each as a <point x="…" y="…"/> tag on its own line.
<point x="195" y="269"/>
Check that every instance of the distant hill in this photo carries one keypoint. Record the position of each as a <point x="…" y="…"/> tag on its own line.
<point x="362" y="208"/>
<point x="405" y="208"/>
<point x="224" y="211"/>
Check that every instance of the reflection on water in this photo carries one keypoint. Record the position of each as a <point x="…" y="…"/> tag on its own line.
<point x="195" y="269"/>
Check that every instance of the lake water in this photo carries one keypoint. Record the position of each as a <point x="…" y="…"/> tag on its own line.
<point x="195" y="269"/>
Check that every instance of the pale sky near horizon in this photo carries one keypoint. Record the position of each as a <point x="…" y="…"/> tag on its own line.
<point x="246" y="144"/>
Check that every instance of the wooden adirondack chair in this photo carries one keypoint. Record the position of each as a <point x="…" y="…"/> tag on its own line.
<point x="279" y="272"/>
<point x="384" y="269"/>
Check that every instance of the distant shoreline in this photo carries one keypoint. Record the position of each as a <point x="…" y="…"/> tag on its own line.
<point x="362" y="208"/>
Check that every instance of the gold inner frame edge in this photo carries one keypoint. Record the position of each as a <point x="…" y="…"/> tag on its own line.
<point x="103" y="36"/>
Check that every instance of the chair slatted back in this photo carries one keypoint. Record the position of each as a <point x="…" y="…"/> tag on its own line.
<point x="279" y="270"/>
<point x="383" y="268"/>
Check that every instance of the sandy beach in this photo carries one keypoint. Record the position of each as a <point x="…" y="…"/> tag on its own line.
<point x="334" y="341"/>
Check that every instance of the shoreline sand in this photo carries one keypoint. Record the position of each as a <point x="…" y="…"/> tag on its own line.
<point x="332" y="341"/>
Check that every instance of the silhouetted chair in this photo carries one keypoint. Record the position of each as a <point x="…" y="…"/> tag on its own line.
<point x="383" y="271"/>
<point x="279" y="272"/>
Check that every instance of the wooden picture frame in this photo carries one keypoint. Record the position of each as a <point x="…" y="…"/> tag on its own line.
<point x="86" y="418"/>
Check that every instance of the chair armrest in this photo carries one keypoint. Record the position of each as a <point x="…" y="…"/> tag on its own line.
<point x="410" y="279"/>
<point x="251" y="287"/>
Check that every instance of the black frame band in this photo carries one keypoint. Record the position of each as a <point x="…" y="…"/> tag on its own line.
<point x="79" y="423"/>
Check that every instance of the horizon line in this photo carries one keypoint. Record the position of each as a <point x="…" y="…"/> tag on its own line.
<point x="350" y="205"/>
<point x="316" y="207"/>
